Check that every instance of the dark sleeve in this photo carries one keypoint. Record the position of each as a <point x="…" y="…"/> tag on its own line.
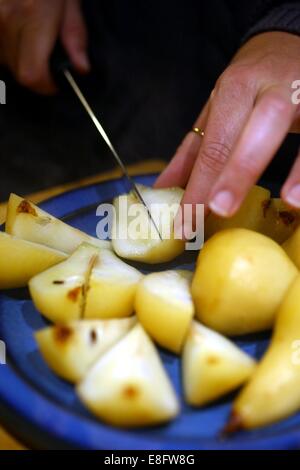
<point x="285" y="17"/>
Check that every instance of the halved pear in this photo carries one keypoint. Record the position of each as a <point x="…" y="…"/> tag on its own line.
<point x="165" y="308"/>
<point x="25" y="220"/>
<point x="59" y="292"/>
<point x="71" y="349"/>
<point x="128" y="385"/>
<point x="134" y="236"/>
<point x="111" y="288"/>
<point x="251" y="214"/>
<point x="212" y="365"/>
<point x="20" y="260"/>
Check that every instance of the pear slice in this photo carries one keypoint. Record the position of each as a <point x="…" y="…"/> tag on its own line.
<point x="111" y="288"/>
<point x="273" y="391"/>
<point x="26" y="220"/>
<point x="59" y="292"/>
<point x="212" y="366"/>
<point x="144" y="244"/>
<point x="165" y="308"/>
<point x="71" y="349"/>
<point x="251" y="214"/>
<point x="20" y="260"/>
<point x="128" y="385"/>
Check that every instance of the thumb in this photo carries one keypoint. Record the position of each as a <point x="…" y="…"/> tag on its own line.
<point x="74" y="36"/>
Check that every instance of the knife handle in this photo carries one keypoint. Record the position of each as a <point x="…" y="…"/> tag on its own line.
<point x="59" y="62"/>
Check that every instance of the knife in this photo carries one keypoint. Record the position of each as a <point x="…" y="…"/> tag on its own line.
<point x="60" y="65"/>
<point x="70" y="78"/>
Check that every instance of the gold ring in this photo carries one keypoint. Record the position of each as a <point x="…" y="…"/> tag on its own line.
<point x="198" y="131"/>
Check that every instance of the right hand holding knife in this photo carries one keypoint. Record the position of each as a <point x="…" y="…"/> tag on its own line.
<point x="29" y="32"/>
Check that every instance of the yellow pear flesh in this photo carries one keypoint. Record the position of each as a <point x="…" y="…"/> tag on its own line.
<point x="71" y="349"/>
<point x="20" y="260"/>
<point x="111" y="288"/>
<point x="212" y="366"/>
<point x="133" y="235"/>
<point x="26" y="220"/>
<point x="128" y="385"/>
<point x="292" y="247"/>
<point x="59" y="292"/>
<point x="165" y="308"/>
<point x="273" y="392"/>
<point x="240" y="280"/>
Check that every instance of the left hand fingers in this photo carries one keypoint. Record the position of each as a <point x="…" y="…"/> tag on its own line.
<point x="229" y="110"/>
<point x="263" y="134"/>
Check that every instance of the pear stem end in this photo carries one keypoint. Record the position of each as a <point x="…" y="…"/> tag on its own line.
<point x="234" y="424"/>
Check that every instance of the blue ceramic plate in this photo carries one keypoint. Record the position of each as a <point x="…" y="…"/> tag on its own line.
<point x="44" y="410"/>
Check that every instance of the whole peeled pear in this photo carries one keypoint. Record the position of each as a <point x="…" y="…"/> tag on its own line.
<point x="240" y="279"/>
<point x="273" y="392"/>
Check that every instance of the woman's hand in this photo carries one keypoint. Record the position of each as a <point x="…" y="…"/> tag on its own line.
<point x="248" y="115"/>
<point x="28" y="32"/>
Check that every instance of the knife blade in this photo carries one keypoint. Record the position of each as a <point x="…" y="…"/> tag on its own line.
<point x="68" y="75"/>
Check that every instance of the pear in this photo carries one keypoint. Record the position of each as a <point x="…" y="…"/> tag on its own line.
<point x="111" y="288"/>
<point x="20" y="260"/>
<point x="212" y="365"/>
<point x="250" y="215"/>
<point x="134" y="236"/>
<point x="71" y="349"/>
<point x="165" y="308"/>
<point x="128" y="385"/>
<point x="280" y="220"/>
<point x="240" y="280"/>
<point x="26" y="220"/>
<point x="292" y="247"/>
<point x="59" y="292"/>
<point x="273" y="392"/>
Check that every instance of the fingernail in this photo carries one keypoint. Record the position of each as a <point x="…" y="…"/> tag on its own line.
<point x="222" y="203"/>
<point x="293" y="196"/>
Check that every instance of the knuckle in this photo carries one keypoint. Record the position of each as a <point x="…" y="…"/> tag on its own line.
<point x="214" y="155"/>
<point x="277" y="103"/>
<point x="246" y="166"/>
<point x="236" y="75"/>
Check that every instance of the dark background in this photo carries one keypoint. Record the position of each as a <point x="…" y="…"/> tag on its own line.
<point x="154" y="65"/>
